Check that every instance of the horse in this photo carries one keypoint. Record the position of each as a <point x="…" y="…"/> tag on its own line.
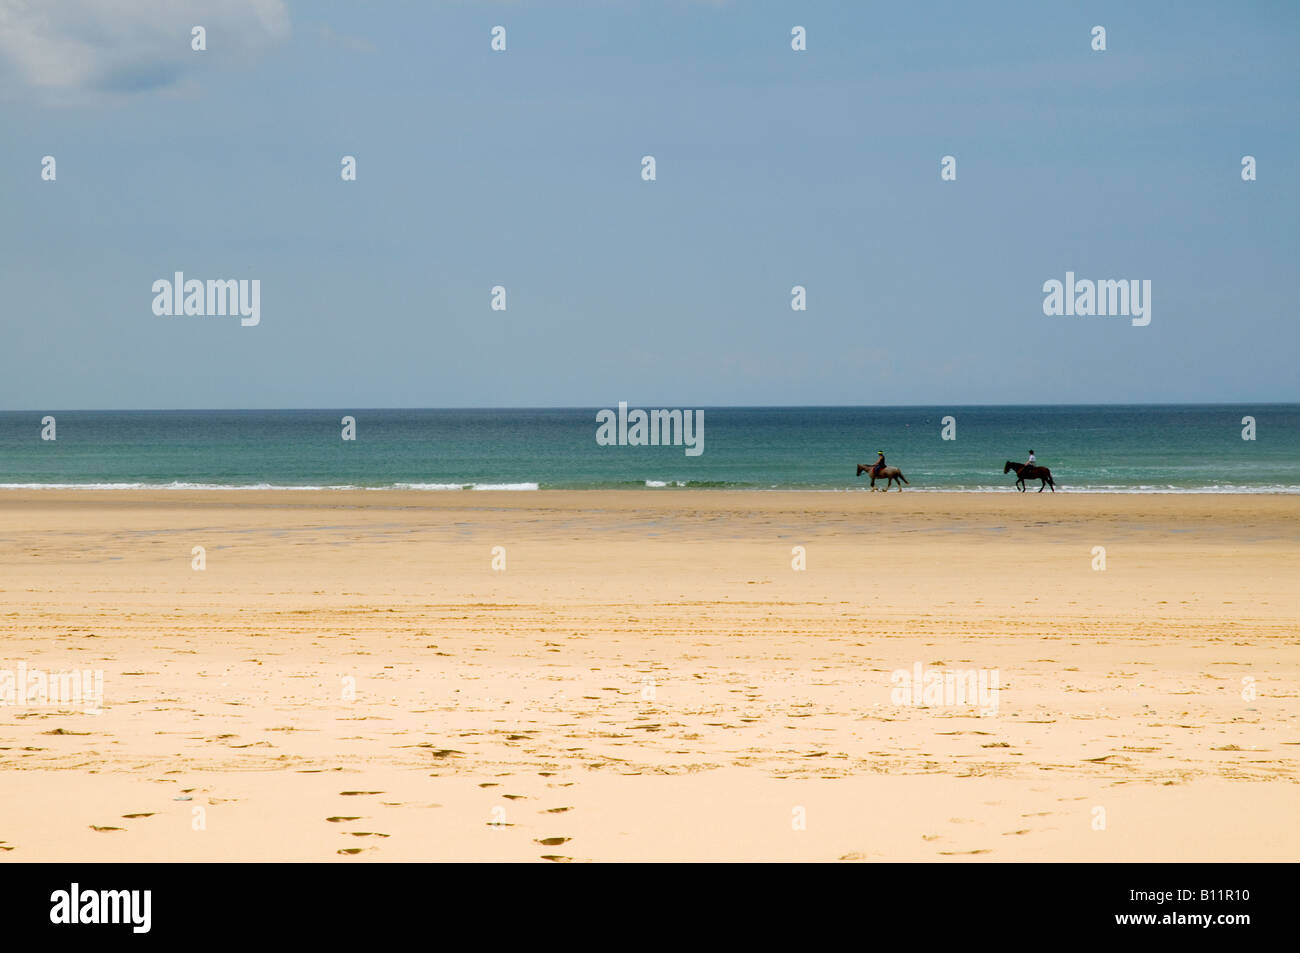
<point x="1025" y="472"/>
<point x="891" y="475"/>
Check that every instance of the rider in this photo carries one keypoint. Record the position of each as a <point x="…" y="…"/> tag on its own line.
<point x="1032" y="461"/>
<point x="879" y="464"/>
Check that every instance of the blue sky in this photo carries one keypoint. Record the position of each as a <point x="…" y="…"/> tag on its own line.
<point x="522" y="169"/>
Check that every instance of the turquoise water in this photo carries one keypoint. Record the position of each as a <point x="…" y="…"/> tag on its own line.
<point x="1104" y="449"/>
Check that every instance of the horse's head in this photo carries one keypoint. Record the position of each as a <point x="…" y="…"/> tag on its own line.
<point x="1007" y="468"/>
<point x="861" y="469"/>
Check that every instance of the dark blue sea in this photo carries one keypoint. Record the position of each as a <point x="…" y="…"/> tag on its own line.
<point x="1122" y="449"/>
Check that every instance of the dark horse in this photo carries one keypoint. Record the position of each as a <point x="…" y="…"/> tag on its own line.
<point x="890" y="475"/>
<point x="1025" y="472"/>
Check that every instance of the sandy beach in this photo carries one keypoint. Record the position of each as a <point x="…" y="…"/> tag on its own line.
<point x="646" y="675"/>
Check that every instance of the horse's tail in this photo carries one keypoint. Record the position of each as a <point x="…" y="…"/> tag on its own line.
<point x="903" y="478"/>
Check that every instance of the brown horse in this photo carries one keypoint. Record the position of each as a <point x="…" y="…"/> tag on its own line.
<point x="891" y="475"/>
<point x="1025" y="472"/>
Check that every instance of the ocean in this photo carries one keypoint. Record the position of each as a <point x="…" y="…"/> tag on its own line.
<point x="1116" y="449"/>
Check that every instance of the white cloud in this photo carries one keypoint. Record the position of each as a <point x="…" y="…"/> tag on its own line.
<point x="128" y="45"/>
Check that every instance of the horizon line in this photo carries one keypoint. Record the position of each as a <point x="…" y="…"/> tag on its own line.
<point x="644" y="404"/>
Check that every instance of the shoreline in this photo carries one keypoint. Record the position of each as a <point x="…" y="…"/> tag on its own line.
<point x="493" y="490"/>
<point x="662" y="496"/>
<point x="749" y="512"/>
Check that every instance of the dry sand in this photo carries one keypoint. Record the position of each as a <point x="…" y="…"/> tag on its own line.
<point x="648" y="678"/>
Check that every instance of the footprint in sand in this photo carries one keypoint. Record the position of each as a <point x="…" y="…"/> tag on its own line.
<point x="133" y="816"/>
<point x="557" y="859"/>
<point x="553" y="841"/>
<point x="355" y="793"/>
<point x="349" y="850"/>
<point x="335" y="820"/>
<point x="94" y="828"/>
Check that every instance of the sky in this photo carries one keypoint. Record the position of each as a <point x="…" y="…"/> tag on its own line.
<point x="522" y="168"/>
